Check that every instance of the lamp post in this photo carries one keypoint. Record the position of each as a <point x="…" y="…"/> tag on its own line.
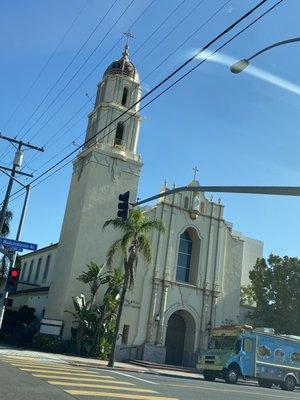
<point x="239" y="66"/>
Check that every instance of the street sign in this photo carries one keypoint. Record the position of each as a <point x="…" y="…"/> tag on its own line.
<point x="17" y="245"/>
<point x="14" y="248"/>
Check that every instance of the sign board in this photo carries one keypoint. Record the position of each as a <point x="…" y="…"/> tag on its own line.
<point x="17" y="245"/>
<point x="51" y="326"/>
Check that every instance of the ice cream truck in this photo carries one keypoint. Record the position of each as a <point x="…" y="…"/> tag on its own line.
<point x="243" y="352"/>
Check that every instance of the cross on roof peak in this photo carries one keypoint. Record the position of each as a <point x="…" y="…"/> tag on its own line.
<point x="196" y="170"/>
<point x="128" y="34"/>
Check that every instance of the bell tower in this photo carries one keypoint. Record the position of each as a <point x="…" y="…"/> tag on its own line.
<point x="107" y="166"/>
<point x="118" y="90"/>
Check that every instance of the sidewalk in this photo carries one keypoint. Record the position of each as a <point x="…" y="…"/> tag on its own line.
<point x="95" y="363"/>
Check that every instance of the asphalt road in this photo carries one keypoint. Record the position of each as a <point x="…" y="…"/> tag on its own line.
<point x="23" y="378"/>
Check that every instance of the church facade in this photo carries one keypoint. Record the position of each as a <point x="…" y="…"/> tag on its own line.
<point x="194" y="280"/>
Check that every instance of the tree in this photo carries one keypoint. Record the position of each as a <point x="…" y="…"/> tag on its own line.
<point x="247" y="295"/>
<point x="83" y="316"/>
<point x="4" y="260"/>
<point x="94" y="323"/>
<point x="6" y="224"/>
<point x="134" y="242"/>
<point x="102" y="337"/>
<point x="276" y="284"/>
<point x="95" y="276"/>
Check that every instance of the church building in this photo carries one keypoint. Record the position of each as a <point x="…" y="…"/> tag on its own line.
<point x="194" y="280"/>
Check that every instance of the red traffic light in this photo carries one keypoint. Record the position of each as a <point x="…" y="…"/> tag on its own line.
<point x="12" y="280"/>
<point x="14" y="273"/>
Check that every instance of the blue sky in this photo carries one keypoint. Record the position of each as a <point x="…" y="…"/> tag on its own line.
<point x="238" y="129"/>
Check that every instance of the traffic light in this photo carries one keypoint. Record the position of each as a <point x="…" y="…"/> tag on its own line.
<point x="12" y="279"/>
<point x="8" y="302"/>
<point x="123" y="205"/>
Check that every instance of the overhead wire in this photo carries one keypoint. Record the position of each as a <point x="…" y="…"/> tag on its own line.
<point x="177" y="25"/>
<point x="114" y="46"/>
<point x="90" y="73"/>
<point x="187" y="39"/>
<point x="78" y="69"/>
<point x="34" y="82"/>
<point x="195" y="56"/>
<point x="159" y="27"/>
<point x="168" y="77"/>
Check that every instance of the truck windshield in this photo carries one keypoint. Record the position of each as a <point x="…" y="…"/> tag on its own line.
<point x="223" y="342"/>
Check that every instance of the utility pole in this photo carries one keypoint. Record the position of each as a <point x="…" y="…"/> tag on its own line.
<point x="17" y="162"/>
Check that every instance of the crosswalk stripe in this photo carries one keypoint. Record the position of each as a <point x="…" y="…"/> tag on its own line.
<point x="17" y="357"/>
<point x="93" y="385"/>
<point x="116" y="395"/>
<point x="100" y="379"/>
<point x="89" y="373"/>
<point x="50" y="367"/>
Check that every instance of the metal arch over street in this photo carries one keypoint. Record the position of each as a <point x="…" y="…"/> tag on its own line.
<point x="268" y="190"/>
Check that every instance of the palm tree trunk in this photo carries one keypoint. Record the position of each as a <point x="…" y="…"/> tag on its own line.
<point x="118" y="319"/>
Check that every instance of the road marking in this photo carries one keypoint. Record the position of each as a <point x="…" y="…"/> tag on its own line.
<point x="116" y="395"/>
<point x="102" y="378"/>
<point x="134" y="377"/>
<point x="17" y="357"/>
<point x="236" y="391"/>
<point x="89" y="373"/>
<point x="92" y="385"/>
<point x="50" y="367"/>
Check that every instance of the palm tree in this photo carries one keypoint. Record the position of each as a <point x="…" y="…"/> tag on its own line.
<point x="7" y="220"/>
<point x="95" y="276"/>
<point x="4" y="232"/>
<point x="134" y="242"/>
<point x="83" y="318"/>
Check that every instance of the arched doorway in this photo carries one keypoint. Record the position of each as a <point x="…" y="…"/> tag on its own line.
<point x="180" y="339"/>
<point x="175" y="339"/>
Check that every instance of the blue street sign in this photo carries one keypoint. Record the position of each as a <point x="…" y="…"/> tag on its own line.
<point x="14" y="248"/>
<point x="17" y="245"/>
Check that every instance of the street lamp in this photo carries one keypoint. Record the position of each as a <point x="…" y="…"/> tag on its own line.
<point x="239" y="66"/>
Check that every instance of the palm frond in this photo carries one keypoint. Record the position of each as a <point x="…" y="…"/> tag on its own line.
<point x="154" y="224"/>
<point x="145" y="248"/>
<point x="117" y="223"/>
<point x="112" y="251"/>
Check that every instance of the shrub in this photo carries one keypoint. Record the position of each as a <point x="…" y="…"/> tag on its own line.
<point x="52" y="344"/>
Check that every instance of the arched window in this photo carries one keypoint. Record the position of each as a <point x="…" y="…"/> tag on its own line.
<point x="119" y="134"/>
<point x="186" y="203"/>
<point x="46" y="270"/>
<point x="184" y="258"/>
<point x="124" y="96"/>
<point x="202" y="207"/>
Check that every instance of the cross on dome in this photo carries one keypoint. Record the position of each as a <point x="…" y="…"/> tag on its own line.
<point x="196" y="170"/>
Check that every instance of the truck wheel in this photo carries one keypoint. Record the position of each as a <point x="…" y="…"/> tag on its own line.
<point x="231" y="375"/>
<point x="289" y="383"/>
<point x="209" y="375"/>
<point x="265" y="383"/>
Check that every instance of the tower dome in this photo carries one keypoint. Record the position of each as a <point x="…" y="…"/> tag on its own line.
<point x="123" y="66"/>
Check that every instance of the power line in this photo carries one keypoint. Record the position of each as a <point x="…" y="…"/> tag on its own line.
<point x="187" y="39"/>
<point x="159" y="27"/>
<point x="169" y="76"/>
<point x="21" y="102"/>
<point x="46" y="64"/>
<point x="171" y="31"/>
<point x="115" y="45"/>
<point x="67" y="67"/>
<point x="90" y="73"/>
<point x="186" y="16"/>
